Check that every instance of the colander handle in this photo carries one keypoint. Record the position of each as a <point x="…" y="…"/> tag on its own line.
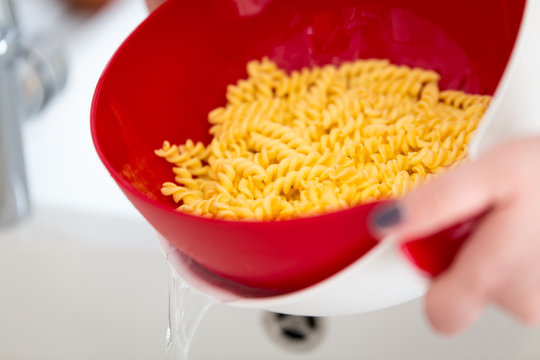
<point x="433" y="254"/>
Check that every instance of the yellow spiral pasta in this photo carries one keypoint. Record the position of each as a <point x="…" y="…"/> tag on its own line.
<point x="320" y="140"/>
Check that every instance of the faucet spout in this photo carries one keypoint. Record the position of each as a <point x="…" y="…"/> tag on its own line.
<point x="7" y="14"/>
<point x="14" y="202"/>
<point x="20" y="64"/>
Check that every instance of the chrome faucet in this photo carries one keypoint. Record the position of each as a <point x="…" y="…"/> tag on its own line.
<point x="28" y="80"/>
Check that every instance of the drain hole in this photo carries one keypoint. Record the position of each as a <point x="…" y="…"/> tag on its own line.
<point x="294" y="334"/>
<point x="297" y="333"/>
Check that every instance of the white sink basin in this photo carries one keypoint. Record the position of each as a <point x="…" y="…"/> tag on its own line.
<point x="83" y="286"/>
<point x="83" y="277"/>
<point x="396" y="333"/>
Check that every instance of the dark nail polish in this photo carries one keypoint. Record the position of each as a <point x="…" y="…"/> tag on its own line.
<point x="388" y="217"/>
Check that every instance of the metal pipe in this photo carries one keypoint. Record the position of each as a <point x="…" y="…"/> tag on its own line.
<point x="7" y="14"/>
<point x="14" y="201"/>
<point x="29" y="77"/>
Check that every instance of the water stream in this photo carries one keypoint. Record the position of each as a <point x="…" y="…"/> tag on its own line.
<point x="187" y="307"/>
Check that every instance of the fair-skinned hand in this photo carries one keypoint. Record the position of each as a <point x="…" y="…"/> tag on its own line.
<point x="500" y="262"/>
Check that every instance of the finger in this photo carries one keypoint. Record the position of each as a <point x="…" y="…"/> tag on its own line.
<point x="450" y="199"/>
<point x="525" y="305"/>
<point x="450" y="308"/>
<point x="521" y="294"/>
<point x="458" y="297"/>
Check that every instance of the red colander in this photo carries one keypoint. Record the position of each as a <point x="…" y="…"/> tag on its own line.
<point x="175" y="67"/>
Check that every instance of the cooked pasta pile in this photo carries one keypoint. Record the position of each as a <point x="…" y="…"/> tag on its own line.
<point x="320" y="140"/>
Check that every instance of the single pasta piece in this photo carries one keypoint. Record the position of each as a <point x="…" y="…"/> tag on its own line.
<point x="320" y="140"/>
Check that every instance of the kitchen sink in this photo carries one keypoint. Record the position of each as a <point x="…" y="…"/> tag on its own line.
<point x="83" y="276"/>
<point x="86" y="286"/>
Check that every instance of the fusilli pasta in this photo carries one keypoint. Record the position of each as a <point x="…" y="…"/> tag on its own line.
<point x="322" y="139"/>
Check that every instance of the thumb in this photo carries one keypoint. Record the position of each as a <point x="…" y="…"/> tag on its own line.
<point x="447" y="200"/>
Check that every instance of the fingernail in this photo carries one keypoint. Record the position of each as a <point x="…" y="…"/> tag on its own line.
<point x="388" y="217"/>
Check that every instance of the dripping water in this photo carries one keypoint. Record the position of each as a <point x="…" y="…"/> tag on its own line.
<point x="187" y="307"/>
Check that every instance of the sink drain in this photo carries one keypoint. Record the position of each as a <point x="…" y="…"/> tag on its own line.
<point x="297" y="333"/>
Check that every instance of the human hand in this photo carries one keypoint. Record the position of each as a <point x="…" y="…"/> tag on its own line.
<point x="153" y="4"/>
<point x="500" y="262"/>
